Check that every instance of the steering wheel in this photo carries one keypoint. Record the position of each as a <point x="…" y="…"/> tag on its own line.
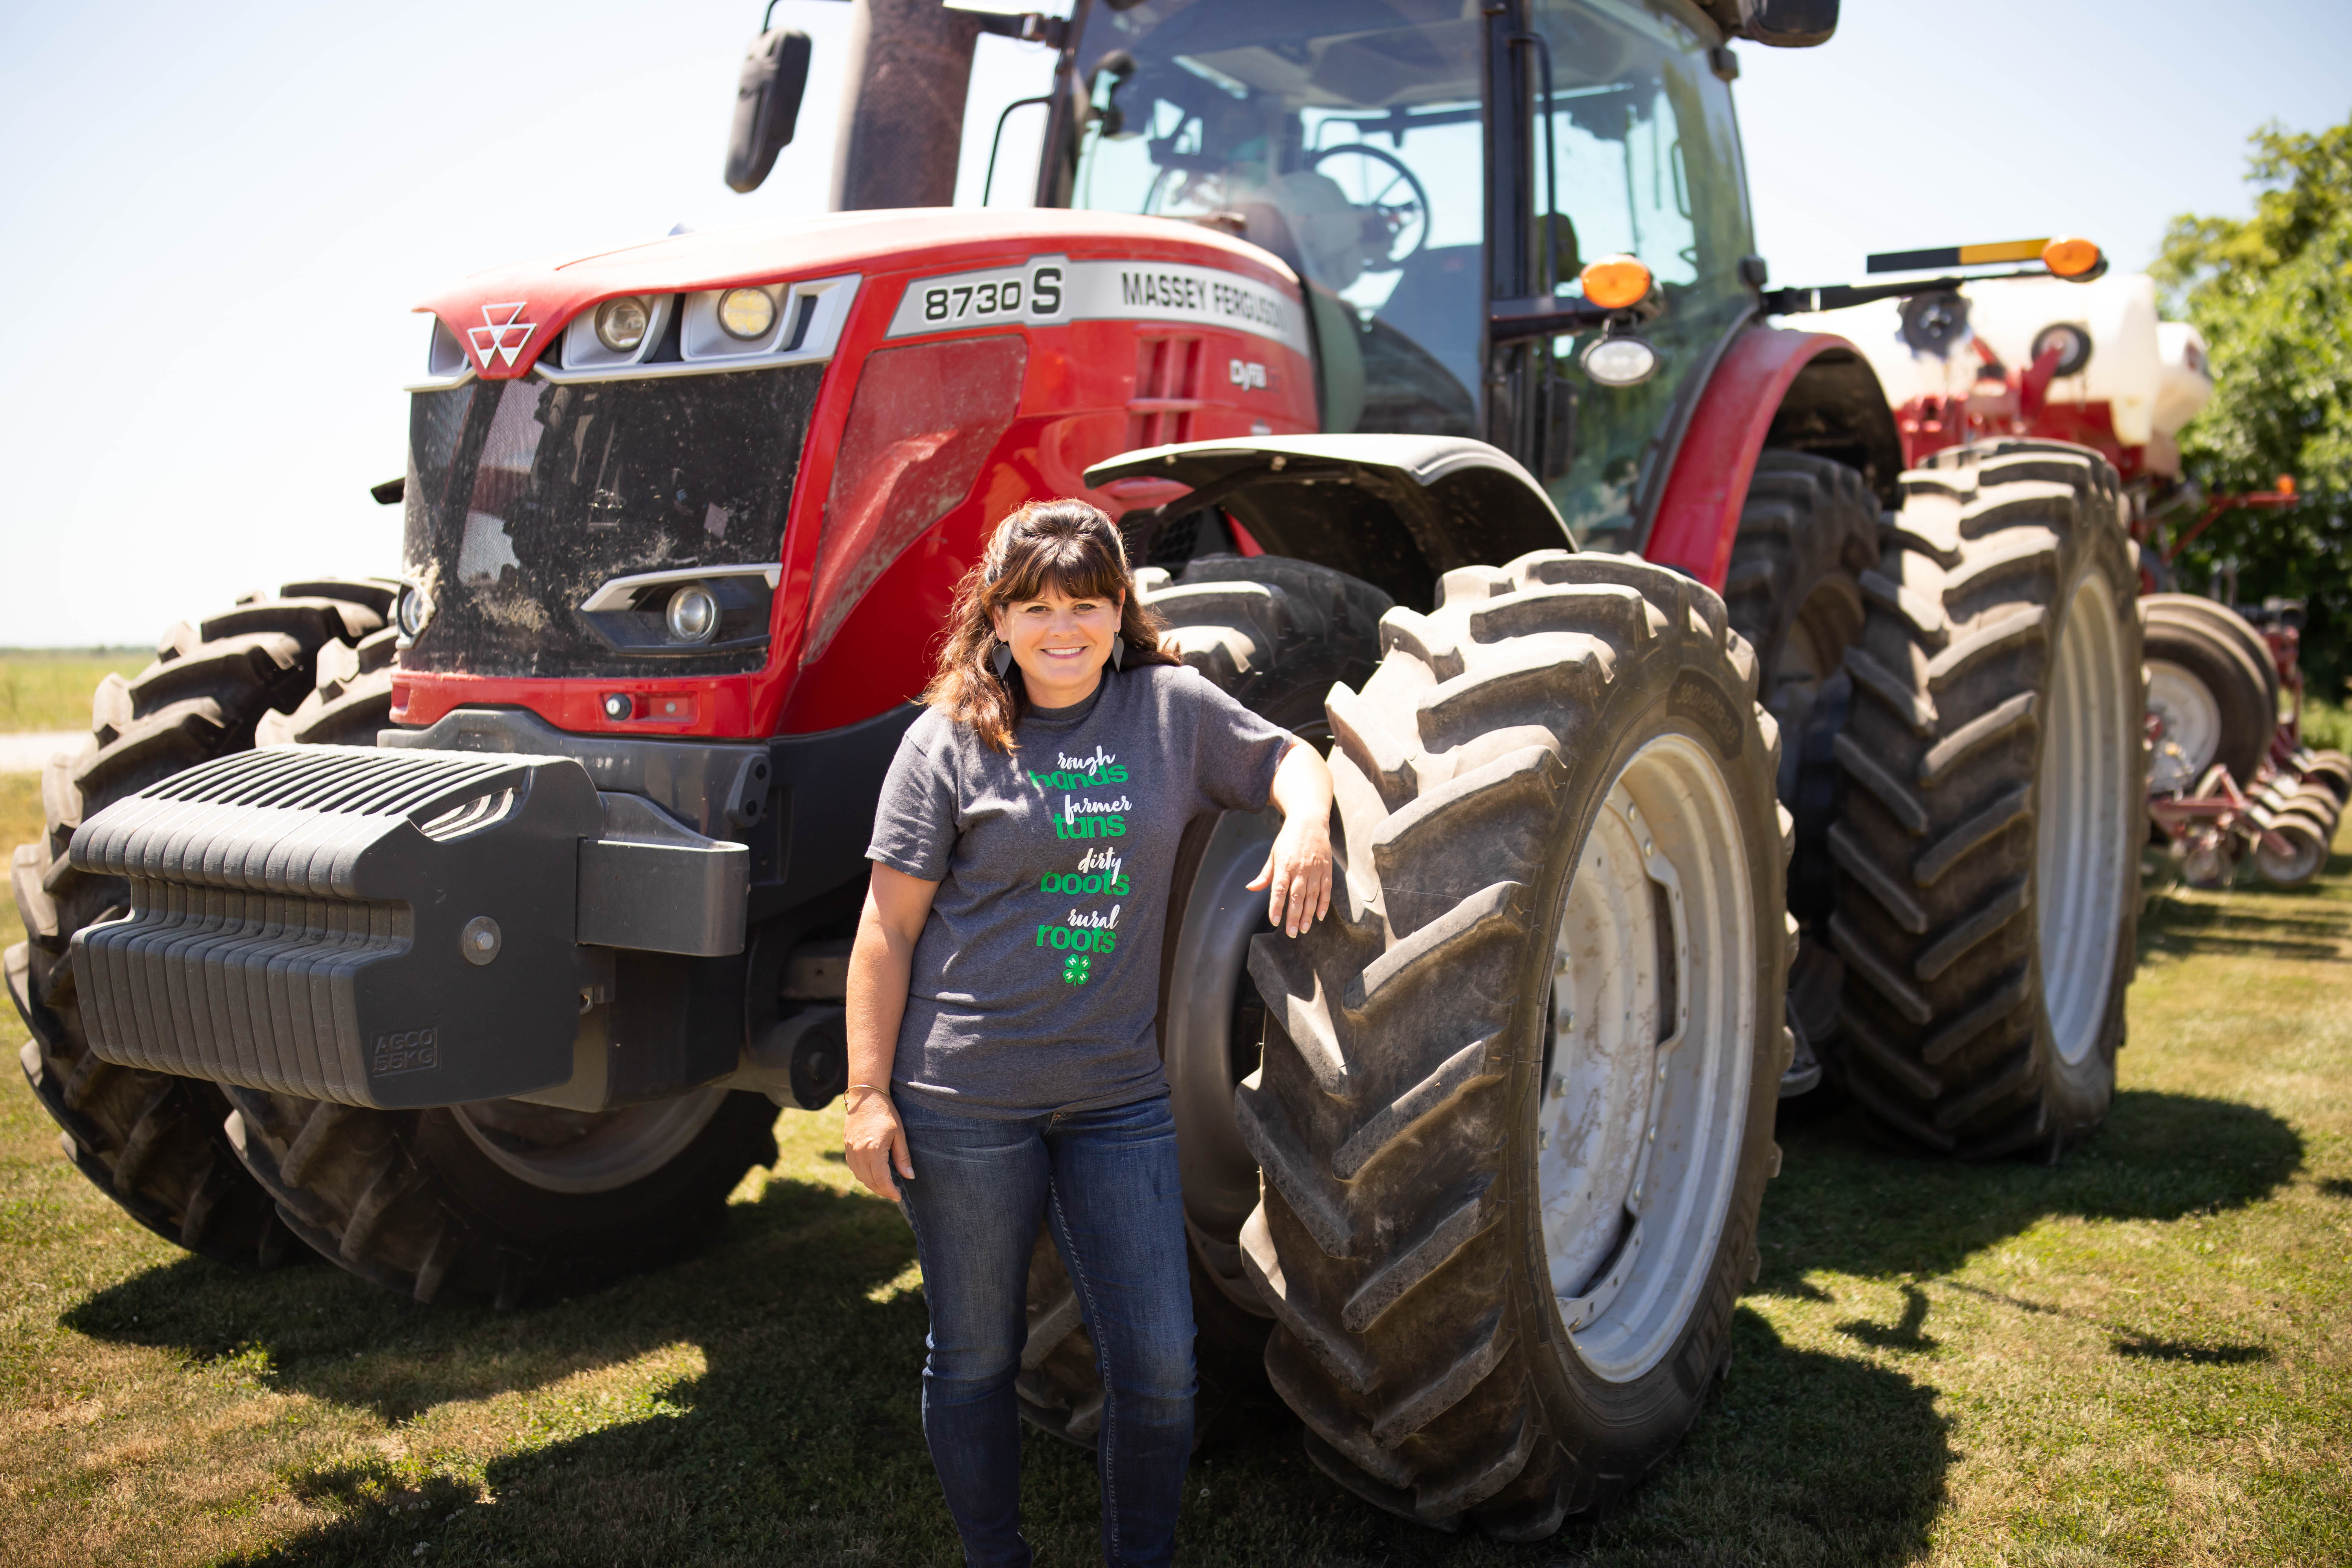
<point x="1394" y="231"/>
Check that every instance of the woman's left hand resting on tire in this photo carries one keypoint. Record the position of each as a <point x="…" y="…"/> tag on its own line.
<point x="1298" y="870"/>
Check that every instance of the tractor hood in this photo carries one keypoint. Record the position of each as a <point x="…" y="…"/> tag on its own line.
<point x="500" y="324"/>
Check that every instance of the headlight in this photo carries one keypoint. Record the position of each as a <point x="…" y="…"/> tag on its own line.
<point x="693" y="614"/>
<point x="746" y="313"/>
<point x="415" y="609"/>
<point x="621" y="324"/>
<point x="1621" y="362"/>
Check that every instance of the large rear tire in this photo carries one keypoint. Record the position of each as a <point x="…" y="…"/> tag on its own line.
<point x="1988" y="855"/>
<point x="2212" y="688"/>
<point x="1800" y="566"/>
<point x="1277" y="634"/>
<point x="1514" y="1113"/>
<point x="152" y="1142"/>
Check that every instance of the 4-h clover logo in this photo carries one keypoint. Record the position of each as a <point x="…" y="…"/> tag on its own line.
<point x="1074" y="967"/>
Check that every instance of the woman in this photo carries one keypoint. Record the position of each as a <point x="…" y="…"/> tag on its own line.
<point x="1003" y="992"/>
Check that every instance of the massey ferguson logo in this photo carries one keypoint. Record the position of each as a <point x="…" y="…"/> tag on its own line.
<point x="1247" y="374"/>
<point x="503" y="332"/>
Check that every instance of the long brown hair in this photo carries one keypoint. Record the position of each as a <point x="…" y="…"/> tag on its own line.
<point x="1066" y="546"/>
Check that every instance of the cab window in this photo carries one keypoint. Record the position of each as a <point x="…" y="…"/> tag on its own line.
<point x="1638" y="154"/>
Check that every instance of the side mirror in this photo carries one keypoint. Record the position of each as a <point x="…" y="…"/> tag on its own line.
<point x="1788" y="24"/>
<point x="767" y="104"/>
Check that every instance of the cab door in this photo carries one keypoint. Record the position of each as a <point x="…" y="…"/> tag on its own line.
<point x="1612" y="130"/>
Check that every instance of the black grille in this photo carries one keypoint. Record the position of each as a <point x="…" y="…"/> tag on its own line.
<point x="524" y="497"/>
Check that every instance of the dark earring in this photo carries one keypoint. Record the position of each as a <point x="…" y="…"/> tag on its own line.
<point x="1119" y="653"/>
<point x="1002" y="659"/>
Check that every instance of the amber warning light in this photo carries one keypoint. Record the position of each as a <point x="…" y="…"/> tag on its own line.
<point x="1615" y="282"/>
<point x="2071" y="257"/>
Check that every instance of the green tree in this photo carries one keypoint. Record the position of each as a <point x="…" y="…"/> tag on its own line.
<point x="2272" y="295"/>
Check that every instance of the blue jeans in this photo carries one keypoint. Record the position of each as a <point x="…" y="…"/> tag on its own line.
<point x="1107" y="1184"/>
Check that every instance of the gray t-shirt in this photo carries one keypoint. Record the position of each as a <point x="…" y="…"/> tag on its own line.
<point x="1036" y="980"/>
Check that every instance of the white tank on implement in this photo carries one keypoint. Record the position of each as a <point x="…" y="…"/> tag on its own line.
<point x="2152" y="375"/>
<point x="2120" y="315"/>
<point x="2184" y="382"/>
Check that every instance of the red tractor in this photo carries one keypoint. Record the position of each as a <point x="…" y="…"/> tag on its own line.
<point x="465" y="926"/>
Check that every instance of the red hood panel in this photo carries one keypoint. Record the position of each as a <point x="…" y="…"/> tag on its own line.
<point x="507" y="316"/>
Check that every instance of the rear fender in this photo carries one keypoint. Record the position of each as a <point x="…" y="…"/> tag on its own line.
<point x="1808" y="392"/>
<point x="1399" y="511"/>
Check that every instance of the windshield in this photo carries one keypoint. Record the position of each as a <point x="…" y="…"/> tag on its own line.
<point x="524" y="497"/>
<point x="1346" y="136"/>
<point x="1342" y="135"/>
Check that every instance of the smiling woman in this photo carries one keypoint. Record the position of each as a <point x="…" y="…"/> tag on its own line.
<point x="1004" y="1001"/>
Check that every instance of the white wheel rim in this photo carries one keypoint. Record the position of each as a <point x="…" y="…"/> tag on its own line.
<point x="1640" y="1116"/>
<point x="2083" y="849"/>
<point x="2188" y="726"/>
<point x="560" y="1150"/>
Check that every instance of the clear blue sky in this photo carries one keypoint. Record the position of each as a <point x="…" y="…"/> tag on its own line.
<point x="217" y="217"/>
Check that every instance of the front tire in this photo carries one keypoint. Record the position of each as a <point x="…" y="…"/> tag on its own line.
<point x="1515" y="1109"/>
<point x="488" y="1200"/>
<point x="1996" y="760"/>
<point x="155" y="1142"/>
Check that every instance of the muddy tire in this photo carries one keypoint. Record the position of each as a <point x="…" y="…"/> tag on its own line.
<point x="1277" y="634"/>
<point x="152" y="1142"/>
<point x="1561" y="931"/>
<point x="1808" y="543"/>
<point x="497" y="1199"/>
<point x="2207" y="691"/>
<point x="351" y="701"/>
<point x="1997" y="764"/>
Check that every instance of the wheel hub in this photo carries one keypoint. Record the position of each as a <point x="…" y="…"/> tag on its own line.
<point x="2188" y="726"/>
<point x="560" y="1150"/>
<point x="1653" y="1008"/>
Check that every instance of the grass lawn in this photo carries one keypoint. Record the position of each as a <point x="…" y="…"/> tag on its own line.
<point x="2138" y="1357"/>
<point x="45" y="691"/>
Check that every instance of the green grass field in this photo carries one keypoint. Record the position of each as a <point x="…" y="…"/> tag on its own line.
<point x="45" y="691"/>
<point x="2138" y="1357"/>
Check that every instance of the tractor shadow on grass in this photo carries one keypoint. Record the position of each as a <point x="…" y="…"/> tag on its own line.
<point x="2259" y="921"/>
<point x="802" y="1444"/>
<point x="799" y="1440"/>
<point x="1844" y="1203"/>
<point x="328" y="1334"/>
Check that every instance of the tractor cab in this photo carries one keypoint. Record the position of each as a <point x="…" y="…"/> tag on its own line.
<point x="1438" y="175"/>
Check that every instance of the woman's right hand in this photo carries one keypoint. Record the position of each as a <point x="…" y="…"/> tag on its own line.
<point x="874" y="1143"/>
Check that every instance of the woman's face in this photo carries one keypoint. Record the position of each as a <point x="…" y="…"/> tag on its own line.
<point x="1060" y="643"/>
